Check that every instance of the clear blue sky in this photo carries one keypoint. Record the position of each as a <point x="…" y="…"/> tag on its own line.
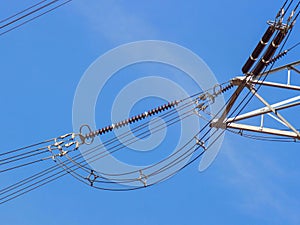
<point x="42" y="62"/>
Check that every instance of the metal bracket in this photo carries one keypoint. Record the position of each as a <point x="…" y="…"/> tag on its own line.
<point x="87" y="136"/>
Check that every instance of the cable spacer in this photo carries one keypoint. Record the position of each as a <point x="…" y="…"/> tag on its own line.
<point x="200" y="143"/>
<point x="92" y="177"/>
<point x="143" y="178"/>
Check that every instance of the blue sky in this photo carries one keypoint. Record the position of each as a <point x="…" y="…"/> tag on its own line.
<point x="250" y="182"/>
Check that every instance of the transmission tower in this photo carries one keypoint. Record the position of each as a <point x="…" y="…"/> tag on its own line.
<point x="259" y="74"/>
<point x="274" y="110"/>
<point x="272" y="92"/>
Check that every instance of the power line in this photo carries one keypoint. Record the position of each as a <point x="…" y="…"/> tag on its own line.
<point x="38" y="175"/>
<point x="35" y="11"/>
<point x="78" y="166"/>
<point x="24" y="10"/>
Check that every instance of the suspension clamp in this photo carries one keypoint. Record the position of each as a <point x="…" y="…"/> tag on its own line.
<point x="63" y="144"/>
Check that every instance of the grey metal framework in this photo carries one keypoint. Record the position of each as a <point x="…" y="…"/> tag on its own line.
<point x="273" y="110"/>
